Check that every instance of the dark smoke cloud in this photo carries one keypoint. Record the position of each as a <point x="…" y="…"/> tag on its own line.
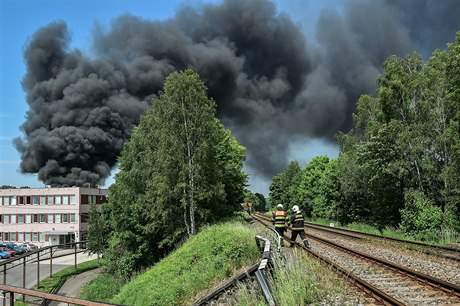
<point x="271" y="85"/>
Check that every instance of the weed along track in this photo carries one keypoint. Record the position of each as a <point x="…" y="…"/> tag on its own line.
<point x="387" y="282"/>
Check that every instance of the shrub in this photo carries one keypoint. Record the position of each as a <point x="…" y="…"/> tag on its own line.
<point x="420" y="216"/>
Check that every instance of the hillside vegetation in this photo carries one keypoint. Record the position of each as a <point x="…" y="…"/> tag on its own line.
<point x="206" y="259"/>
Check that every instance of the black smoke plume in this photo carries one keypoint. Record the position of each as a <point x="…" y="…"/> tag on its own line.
<point x="271" y="85"/>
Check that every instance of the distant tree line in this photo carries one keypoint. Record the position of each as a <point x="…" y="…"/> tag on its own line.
<point x="180" y="170"/>
<point x="400" y="163"/>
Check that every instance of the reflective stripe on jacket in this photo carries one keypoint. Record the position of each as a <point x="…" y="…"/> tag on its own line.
<point x="297" y="221"/>
<point x="279" y="218"/>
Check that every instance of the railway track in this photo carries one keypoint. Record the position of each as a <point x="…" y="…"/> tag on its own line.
<point x="388" y="283"/>
<point x="450" y="253"/>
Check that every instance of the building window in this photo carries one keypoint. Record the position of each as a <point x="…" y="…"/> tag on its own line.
<point x="13" y="236"/>
<point x="21" y="236"/>
<point x="1" y="236"/>
<point x="20" y="218"/>
<point x="13" y="219"/>
<point x="1" y="218"/>
<point x="73" y="199"/>
<point x="1" y="200"/>
<point x="72" y="218"/>
<point x="27" y="237"/>
<point x="42" y="218"/>
<point x="6" y="201"/>
<point x="35" y="200"/>
<point x="42" y="200"/>
<point x="57" y="218"/>
<point x="50" y="200"/>
<point x="65" y="218"/>
<point x="50" y="218"/>
<point x="28" y="218"/>
<point x="20" y="200"/>
<point x="42" y="236"/>
<point x="13" y="200"/>
<point x="34" y="236"/>
<point x="65" y="199"/>
<point x="28" y="200"/>
<point x="7" y="237"/>
<point x="6" y="219"/>
<point x="57" y="200"/>
<point x="35" y="218"/>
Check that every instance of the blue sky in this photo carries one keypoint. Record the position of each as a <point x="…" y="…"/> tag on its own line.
<point x="20" y="19"/>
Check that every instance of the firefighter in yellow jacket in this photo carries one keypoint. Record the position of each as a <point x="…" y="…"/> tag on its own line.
<point x="279" y="219"/>
<point x="297" y="226"/>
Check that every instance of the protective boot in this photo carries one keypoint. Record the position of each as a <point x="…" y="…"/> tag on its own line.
<point x="306" y="244"/>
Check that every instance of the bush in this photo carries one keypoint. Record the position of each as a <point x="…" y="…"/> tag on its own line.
<point x="420" y="217"/>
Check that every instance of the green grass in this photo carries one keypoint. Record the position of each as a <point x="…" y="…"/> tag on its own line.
<point x="202" y="262"/>
<point x="49" y="283"/>
<point x="301" y="280"/>
<point x="102" y="288"/>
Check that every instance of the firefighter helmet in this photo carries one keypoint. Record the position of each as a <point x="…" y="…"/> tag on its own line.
<point x="279" y="206"/>
<point x="295" y="208"/>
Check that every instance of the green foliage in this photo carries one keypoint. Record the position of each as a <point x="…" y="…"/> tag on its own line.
<point x="98" y="232"/>
<point x="7" y="187"/>
<point x="180" y="170"/>
<point x="213" y="255"/>
<point x="420" y="215"/>
<point x="404" y="141"/>
<point x="281" y="186"/>
<point x="258" y="200"/>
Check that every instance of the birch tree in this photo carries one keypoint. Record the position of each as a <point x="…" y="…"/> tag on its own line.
<point x="187" y="135"/>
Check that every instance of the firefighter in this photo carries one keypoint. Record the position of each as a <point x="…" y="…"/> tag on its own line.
<point x="297" y="226"/>
<point x="279" y="219"/>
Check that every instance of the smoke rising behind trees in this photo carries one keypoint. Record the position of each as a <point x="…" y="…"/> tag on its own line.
<point x="272" y="85"/>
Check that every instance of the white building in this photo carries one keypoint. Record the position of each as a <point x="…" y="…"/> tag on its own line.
<point x="47" y="216"/>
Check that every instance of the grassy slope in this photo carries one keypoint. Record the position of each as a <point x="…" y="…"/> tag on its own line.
<point x="204" y="260"/>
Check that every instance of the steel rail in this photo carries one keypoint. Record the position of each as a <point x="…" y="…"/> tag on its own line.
<point x="433" y="281"/>
<point x="436" y="282"/>
<point x="366" y="287"/>
<point x="351" y="233"/>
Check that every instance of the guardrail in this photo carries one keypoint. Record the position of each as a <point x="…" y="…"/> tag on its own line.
<point x="10" y="291"/>
<point x="260" y="273"/>
<point x="37" y="256"/>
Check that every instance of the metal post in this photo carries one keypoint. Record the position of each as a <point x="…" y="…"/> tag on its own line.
<point x="4" y="283"/>
<point x="11" y="298"/>
<point x="51" y="261"/>
<point x="24" y="277"/>
<point x="75" y="250"/>
<point x="38" y="270"/>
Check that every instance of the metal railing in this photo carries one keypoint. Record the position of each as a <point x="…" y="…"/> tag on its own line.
<point x="11" y="291"/>
<point x="260" y="272"/>
<point x="38" y="256"/>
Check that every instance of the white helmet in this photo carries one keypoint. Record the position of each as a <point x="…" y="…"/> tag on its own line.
<point x="279" y="206"/>
<point x="295" y="208"/>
